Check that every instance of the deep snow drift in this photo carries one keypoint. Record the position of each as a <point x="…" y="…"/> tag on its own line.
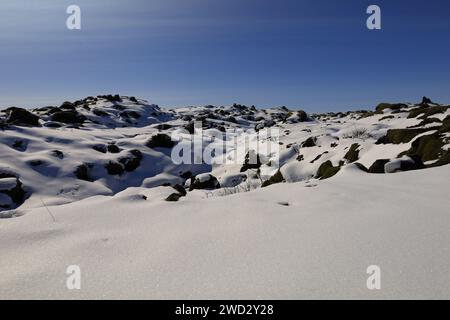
<point x="92" y="183"/>
<point x="250" y="245"/>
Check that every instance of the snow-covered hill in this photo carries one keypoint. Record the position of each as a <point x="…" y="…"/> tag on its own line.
<point x="103" y="145"/>
<point x="93" y="183"/>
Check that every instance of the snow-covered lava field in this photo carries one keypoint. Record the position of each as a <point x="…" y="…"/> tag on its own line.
<point x="92" y="183"/>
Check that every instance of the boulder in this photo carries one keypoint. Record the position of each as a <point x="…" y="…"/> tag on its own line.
<point x="68" y="117"/>
<point x="11" y="192"/>
<point x="327" y="170"/>
<point x="174" y="197"/>
<point x="160" y="140"/>
<point x="310" y="142"/>
<point x="100" y="148"/>
<point x="276" y="178"/>
<point x="132" y="161"/>
<point x="378" y="166"/>
<point x="82" y="172"/>
<point x="113" y="148"/>
<point x="397" y="136"/>
<point x="21" y="117"/>
<point x="204" y="181"/>
<point x="114" y="168"/>
<point x="252" y="161"/>
<point x="353" y="154"/>
<point x="180" y="189"/>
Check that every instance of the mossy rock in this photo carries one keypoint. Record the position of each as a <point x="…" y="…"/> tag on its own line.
<point x="443" y="159"/>
<point x="132" y="161"/>
<point x="310" y="142"/>
<point x="21" y="117"/>
<point x="15" y="193"/>
<point x="361" y="167"/>
<point x="160" y="140"/>
<point x="57" y="154"/>
<point x="68" y="117"/>
<point x="174" y="197"/>
<point x="82" y="172"/>
<point x="366" y="114"/>
<point x="427" y="111"/>
<point x="326" y="170"/>
<point x="427" y="121"/>
<point x="393" y="106"/>
<point x="113" y="148"/>
<point x="99" y="112"/>
<point x="378" y="166"/>
<point x="386" y="118"/>
<point x="397" y="136"/>
<point x="100" y="148"/>
<point x="427" y="147"/>
<point x="445" y="125"/>
<point x="209" y="184"/>
<point x="252" y="161"/>
<point x="180" y="189"/>
<point x="302" y="116"/>
<point x="276" y="178"/>
<point x="353" y="154"/>
<point x="114" y="168"/>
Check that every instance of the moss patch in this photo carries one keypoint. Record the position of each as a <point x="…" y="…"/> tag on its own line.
<point x="396" y="106"/>
<point x="160" y="140"/>
<point x="445" y="125"/>
<point x="397" y="136"/>
<point x="427" y="147"/>
<point x="386" y="118"/>
<point x="353" y="154"/>
<point x="310" y="142"/>
<point x="378" y="166"/>
<point x="426" y="111"/>
<point x="326" y="170"/>
<point x="276" y="178"/>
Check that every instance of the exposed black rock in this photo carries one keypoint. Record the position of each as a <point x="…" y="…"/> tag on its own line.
<point x="114" y="168"/>
<point x="132" y="161"/>
<point x="327" y="170"/>
<point x="208" y="184"/>
<point x="160" y="140"/>
<point x="82" y="172"/>
<point x="252" y="161"/>
<point x="378" y="166"/>
<point x="174" y="197"/>
<point x="276" y="178"/>
<point x="21" y="117"/>
<point x="310" y="142"/>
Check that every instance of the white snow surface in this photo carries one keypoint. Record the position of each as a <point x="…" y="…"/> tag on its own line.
<point x="245" y="246"/>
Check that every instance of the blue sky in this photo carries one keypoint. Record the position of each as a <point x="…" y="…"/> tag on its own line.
<point x="316" y="55"/>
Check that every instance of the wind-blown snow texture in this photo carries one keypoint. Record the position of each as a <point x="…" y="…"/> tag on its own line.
<point x="308" y="229"/>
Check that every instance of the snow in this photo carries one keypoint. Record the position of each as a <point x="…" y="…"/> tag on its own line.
<point x="241" y="246"/>
<point x="8" y="184"/>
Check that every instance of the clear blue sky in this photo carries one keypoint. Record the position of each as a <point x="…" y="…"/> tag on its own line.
<point x="317" y="55"/>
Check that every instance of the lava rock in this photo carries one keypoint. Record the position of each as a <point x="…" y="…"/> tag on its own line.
<point x="132" y="161"/>
<point x="21" y="117"/>
<point x="378" y="166"/>
<point x="160" y="140"/>
<point x="114" y="168"/>
<point x="204" y="181"/>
